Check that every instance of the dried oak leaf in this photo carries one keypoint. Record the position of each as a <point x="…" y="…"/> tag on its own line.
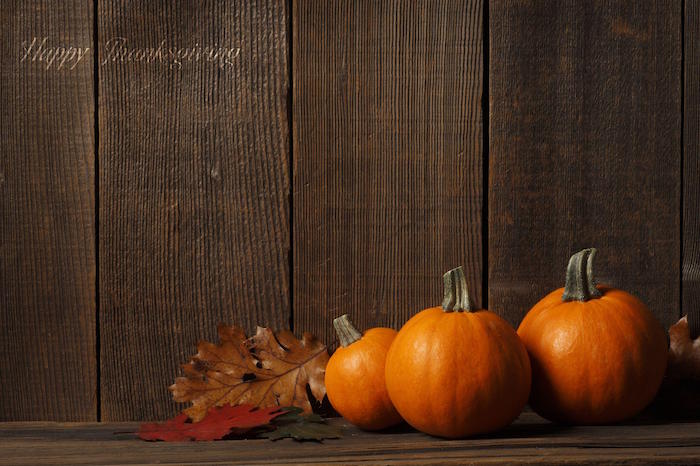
<point x="218" y="423"/>
<point x="268" y="369"/>
<point x="679" y="395"/>
<point x="684" y="353"/>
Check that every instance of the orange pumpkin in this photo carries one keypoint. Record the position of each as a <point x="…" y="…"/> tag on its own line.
<point x="355" y="376"/>
<point x="454" y="371"/>
<point x="598" y="355"/>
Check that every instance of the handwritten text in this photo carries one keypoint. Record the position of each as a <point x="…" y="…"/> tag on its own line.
<point x="41" y="52"/>
<point x="119" y="50"/>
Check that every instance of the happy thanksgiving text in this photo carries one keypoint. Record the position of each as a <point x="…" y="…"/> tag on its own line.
<point x="41" y="51"/>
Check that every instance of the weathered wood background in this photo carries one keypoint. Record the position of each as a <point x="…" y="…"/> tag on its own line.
<point x="347" y="156"/>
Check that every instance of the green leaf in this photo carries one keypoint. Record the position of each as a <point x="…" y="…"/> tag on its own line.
<point x="302" y="428"/>
<point x="292" y="413"/>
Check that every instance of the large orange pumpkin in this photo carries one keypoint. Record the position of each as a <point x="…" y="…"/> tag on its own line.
<point x="355" y="376"/>
<point x="454" y="371"/>
<point x="598" y="355"/>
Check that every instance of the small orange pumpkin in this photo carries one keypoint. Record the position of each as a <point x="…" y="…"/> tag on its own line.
<point x="355" y="376"/>
<point x="453" y="371"/>
<point x="598" y="355"/>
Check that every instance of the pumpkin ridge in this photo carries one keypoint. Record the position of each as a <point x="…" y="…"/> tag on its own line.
<point x="647" y="333"/>
<point x="501" y="337"/>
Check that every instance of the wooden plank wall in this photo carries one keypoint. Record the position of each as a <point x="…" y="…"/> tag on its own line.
<point x="194" y="184"/>
<point x="47" y="212"/>
<point x="585" y="134"/>
<point x="691" y="167"/>
<point x="341" y="162"/>
<point x="387" y="157"/>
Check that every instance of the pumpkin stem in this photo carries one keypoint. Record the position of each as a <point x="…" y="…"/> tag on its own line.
<point x="580" y="282"/>
<point x="347" y="333"/>
<point x="456" y="293"/>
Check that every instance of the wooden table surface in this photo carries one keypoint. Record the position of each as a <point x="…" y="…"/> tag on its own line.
<point x="530" y="439"/>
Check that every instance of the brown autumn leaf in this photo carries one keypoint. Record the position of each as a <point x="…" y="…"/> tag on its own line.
<point x="679" y="395"/>
<point x="267" y="369"/>
<point x="684" y="353"/>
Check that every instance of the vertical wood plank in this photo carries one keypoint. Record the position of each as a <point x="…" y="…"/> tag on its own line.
<point x="387" y="157"/>
<point x="584" y="148"/>
<point x="194" y="186"/>
<point x="47" y="211"/>
<point x="691" y="166"/>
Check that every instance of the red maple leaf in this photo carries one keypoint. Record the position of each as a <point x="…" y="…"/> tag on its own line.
<point x="217" y="423"/>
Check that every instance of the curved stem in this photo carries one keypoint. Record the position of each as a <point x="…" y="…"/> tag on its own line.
<point x="456" y="293"/>
<point x="580" y="281"/>
<point x="347" y="333"/>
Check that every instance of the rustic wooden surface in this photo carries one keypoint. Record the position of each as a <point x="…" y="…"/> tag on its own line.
<point x="529" y="440"/>
<point x="47" y="212"/>
<point x="387" y="157"/>
<point x="691" y="166"/>
<point x="194" y="186"/>
<point x="585" y="125"/>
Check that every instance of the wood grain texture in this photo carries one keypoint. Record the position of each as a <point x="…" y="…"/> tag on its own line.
<point x="585" y="127"/>
<point x="529" y="440"/>
<point x="387" y="157"/>
<point x="194" y="187"/>
<point x="691" y="167"/>
<point x="47" y="211"/>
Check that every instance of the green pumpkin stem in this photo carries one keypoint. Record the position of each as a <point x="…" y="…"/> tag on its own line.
<point x="456" y="293"/>
<point x="580" y="281"/>
<point x="347" y="333"/>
